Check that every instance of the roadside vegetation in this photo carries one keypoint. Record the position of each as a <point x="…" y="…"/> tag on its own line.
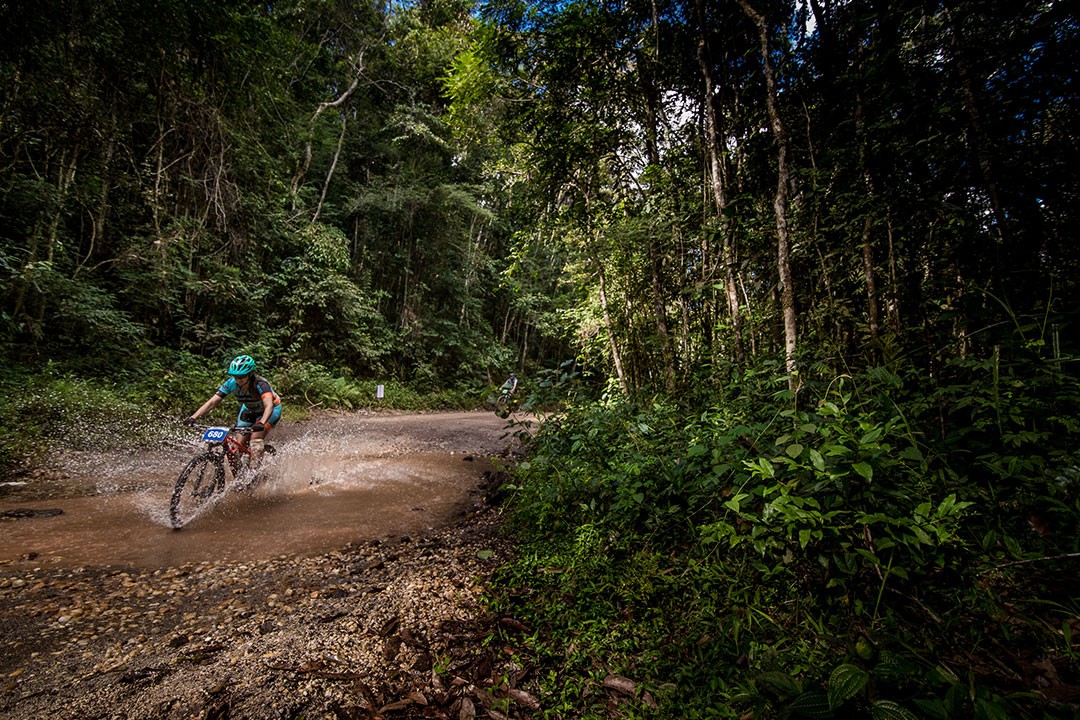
<point x="884" y="545"/>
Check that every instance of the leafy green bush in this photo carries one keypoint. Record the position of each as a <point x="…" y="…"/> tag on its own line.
<point x="824" y="560"/>
<point x="307" y="386"/>
<point x="36" y="410"/>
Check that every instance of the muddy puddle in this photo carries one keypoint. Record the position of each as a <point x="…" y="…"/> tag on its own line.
<point x="324" y="488"/>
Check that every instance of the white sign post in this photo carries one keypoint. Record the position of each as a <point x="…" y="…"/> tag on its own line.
<point x="379" y="392"/>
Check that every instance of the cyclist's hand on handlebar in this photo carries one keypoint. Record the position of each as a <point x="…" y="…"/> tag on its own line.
<point x="188" y="421"/>
<point x="257" y="427"/>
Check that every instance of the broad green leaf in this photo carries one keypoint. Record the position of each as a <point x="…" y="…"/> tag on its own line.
<point x="911" y="453"/>
<point x="812" y="704"/>
<point x="696" y="450"/>
<point x="734" y="503"/>
<point x="889" y="710"/>
<point x="845" y="682"/>
<point x="991" y="708"/>
<point x="922" y="535"/>
<point x="817" y="460"/>
<point x="780" y="684"/>
<point x="946" y="504"/>
<point x="804" y="538"/>
<point x="834" y="450"/>
<point x="865" y="470"/>
<point x="933" y="709"/>
<point x="868" y="556"/>
<point x="892" y="664"/>
<point x="873" y="518"/>
<point x="956" y="700"/>
<point x="794" y="450"/>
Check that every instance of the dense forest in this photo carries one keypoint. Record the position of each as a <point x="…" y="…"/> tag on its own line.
<point x="795" y="281"/>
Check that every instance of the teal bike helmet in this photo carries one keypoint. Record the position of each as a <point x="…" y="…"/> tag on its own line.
<point x="242" y="365"/>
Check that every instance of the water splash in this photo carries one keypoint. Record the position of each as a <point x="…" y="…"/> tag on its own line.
<point x="323" y="488"/>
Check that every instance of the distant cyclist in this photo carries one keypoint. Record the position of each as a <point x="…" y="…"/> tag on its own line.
<point x="504" y="402"/>
<point x="510" y="386"/>
<point x="260" y="406"/>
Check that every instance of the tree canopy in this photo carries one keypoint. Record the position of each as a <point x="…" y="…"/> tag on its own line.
<point x="440" y="190"/>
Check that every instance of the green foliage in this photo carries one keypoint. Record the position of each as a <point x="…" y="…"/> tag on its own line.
<point x="310" y="386"/>
<point x="201" y="177"/>
<point x="323" y="312"/>
<point x="817" y="562"/>
<point x="41" y="413"/>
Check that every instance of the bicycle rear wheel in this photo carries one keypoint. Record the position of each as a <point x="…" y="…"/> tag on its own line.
<point x="203" y="478"/>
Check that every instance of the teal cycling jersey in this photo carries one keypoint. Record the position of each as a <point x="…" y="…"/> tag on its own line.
<point x="252" y="398"/>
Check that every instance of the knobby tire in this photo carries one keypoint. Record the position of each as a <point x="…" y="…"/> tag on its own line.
<point x="203" y="478"/>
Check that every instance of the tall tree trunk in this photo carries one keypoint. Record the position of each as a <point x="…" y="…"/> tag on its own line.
<point x="718" y="175"/>
<point x="64" y="183"/>
<point x="780" y="201"/>
<point x="647" y="63"/>
<point x="98" y="219"/>
<point x="613" y="345"/>
<point x="298" y="176"/>
<point x="978" y="133"/>
<point x="871" y="285"/>
<point x="330" y="172"/>
<point x="895" y="325"/>
<point x="868" y="226"/>
<point x="24" y="296"/>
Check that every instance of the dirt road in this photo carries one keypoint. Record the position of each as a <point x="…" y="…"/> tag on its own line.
<point x="369" y="607"/>
<point x="336" y="478"/>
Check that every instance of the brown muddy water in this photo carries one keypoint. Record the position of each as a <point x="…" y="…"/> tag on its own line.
<point x="351" y="480"/>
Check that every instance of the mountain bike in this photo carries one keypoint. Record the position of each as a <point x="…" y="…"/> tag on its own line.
<point x="505" y="403"/>
<point x="204" y="477"/>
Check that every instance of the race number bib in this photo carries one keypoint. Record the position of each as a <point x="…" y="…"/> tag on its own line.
<point x="215" y="434"/>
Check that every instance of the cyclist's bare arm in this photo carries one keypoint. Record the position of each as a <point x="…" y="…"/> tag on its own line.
<point x="207" y="406"/>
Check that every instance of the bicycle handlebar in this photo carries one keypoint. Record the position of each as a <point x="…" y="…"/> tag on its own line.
<point x="234" y="428"/>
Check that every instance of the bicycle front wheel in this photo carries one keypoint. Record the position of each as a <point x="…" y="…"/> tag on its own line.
<point x="203" y="478"/>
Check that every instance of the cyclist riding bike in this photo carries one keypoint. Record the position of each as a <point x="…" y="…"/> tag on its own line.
<point x="510" y="386"/>
<point x="260" y="406"/>
<point x="505" y="403"/>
